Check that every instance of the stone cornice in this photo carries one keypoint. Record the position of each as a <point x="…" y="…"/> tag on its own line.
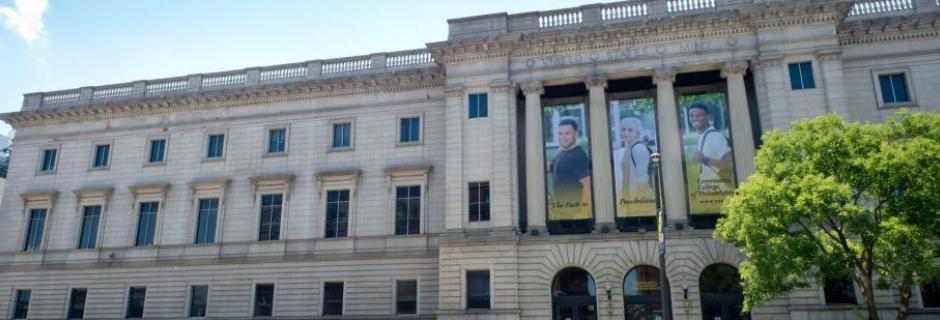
<point x="405" y="80"/>
<point x="796" y="12"/>
<point x="889" y="29"/>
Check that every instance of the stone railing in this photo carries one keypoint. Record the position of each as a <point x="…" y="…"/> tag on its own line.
<point x="303" y="71"/>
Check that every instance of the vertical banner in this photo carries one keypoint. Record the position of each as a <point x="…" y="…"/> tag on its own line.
<point x="707" y="151"/>
<point x="568" y="167"/>
<point x="633" y="140"/>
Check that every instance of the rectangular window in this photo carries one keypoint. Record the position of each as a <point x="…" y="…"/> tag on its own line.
<point x="479" y="201"/>
<point x="478" y="106"/>
<point x="839" y="291"/>
<point x="102" y="153"/>
<point x="77" y="303"/>
<point x="21" y="305"/>
<point x="410" y="130"/>
<point x="48" y="160"/>
<point x="216" y="147"/>
<point x="147" y="223"/>
<point x="34" y="230"/>
<point x="801" y="76"/>
<point x="333" y="299"/>
<point x="198" y="300"/>
<point x="270" y="227"/>
<point x="407" y="210"/>
<point x="88" y="234"/>
<point x="264" y="300"/>
<point x="337" y="213"/>
<point x="206" y="220"/>
<point x="478" y="289"/>
<point x="135" y="302"/>
<point x="406" y="297"/>
<point x="342" y="135"/>
<point x="157" y="151"/>
<point x="894" y="88"/>
<point x="277" y="140"/>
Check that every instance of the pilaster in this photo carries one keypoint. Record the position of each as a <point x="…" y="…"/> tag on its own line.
<point x="453" y="180"/>
<point x="501" y="106"/>
<point x="535" y="158"/>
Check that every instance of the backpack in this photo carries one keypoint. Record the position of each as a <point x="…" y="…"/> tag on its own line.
<point x="651" y="172"/>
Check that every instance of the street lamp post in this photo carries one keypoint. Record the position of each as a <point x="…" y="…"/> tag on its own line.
<point x="665" y="291"/>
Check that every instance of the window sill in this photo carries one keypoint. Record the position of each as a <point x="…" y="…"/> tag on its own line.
<point x="93" y="169"/>
<point x="340" y="149"/>
<point x="410" y="144"/>
<point x="45" y="173"/>
<point x="275" y="155"/>
<point x="154" y="164"/>
<point x="210" y="160"/>
<point x="896" y="105"/>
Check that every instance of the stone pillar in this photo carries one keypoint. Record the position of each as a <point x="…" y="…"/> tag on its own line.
<point x="601" y="171"/>
<point x="670" y="146"/>
<point x="833" y="82"/>
<point x="741" y="132"/>
<point x="535" y="156"/>
<point x="502" y="103"/>
<point x="453" y="178"/>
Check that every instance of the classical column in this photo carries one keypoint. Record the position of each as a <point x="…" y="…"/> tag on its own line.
<point x="535" y="157"/>
<point x="741" y="132"/>
<point x="670" y="146"/>
<point x="602" y="175"/>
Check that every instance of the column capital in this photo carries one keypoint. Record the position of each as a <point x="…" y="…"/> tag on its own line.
<point x="500" y="86"/>
<point x="596" y="80"/>
<point x="829" y="54"/>
<point x="454" y="90"/>
<point x="768" y="61"/>
<point x="532" y="87"/>
<point x="732" y="68"/>
<point x="664" y="74"/>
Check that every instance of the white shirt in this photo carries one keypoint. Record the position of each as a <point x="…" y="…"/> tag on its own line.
<point x="714" y="147"/>
<point x="638" y="172"/>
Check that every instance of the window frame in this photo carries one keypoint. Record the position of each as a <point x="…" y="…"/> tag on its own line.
<point x="218" y="214"/>
<point x="42" y="158"/>
<point x="149" y="153"/>
<point x="280" y="216"/>
<point x="189" y="299"/>
<point x="148" y="193"/>
<point x="127" y="302"/>
<point x="268" y="130"/>
<point x="254" y="297"/>
<point x="326" y="208"/>
<point x="470" y="114"/>
<point x="417" y="282"/>
<point x="332" y="181"/>
<point x="68" y="303"/>
<point x="855" y="294"/>
<point x="488" y="203"/>
<point x="323" y="297"/>
<point x="26" y="228"/>
<point x="876" y="83"/>
<point x="16" y="300"/>
<point x="203" y="190"/>
<point x="403" y="116"/>
<point x="332" y="134"/>
<point x="94" y="155"/>
<point x="206" y="144"/>
<point x="81" y="225"/>
<point x="465" y="287"/>
<point x="271" y="185"/>
<point x="32" y="201"/>
<point x="812" y="74"/>
<point x="407" y="176"/>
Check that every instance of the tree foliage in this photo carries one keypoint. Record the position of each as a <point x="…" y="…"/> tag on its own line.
<point x="831" y="199"/>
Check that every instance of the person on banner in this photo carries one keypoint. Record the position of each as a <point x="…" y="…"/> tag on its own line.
<point x="571" y="173"/>
<point x="632" y="173"/>
<point x="713" y="151"/>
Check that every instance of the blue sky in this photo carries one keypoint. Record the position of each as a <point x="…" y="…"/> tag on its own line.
<point x="61" y="44"/>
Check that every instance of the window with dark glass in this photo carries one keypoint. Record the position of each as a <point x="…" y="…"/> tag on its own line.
<point x="21" y="304"/>
<point x="147" y="223"/>
<point x="410" y="130"/>
<point x="198" y="300"/>
<point x="720" y="292"/>
<point x="839" y="291"/>
<point x="216" y="147"/>
<point x="801" y="76"/>
<point x="270" y="227"/>
<point x="641" y="294"/>
<point x="407" y="210"/>
<point x="157" y="151"/>
<point x="34" y="230"/>
<point x="264" y="300"/>
<point x="342" y="135"/>
<point x="77" y="303"/>
<point x="206" y="220"/>
<point x="894" y="88"/>
<point x="48" y="160"/>
<point x="406" y="297"/>
<point x="478" y="289"/>
<point x="88" y="233"/>
<point x="930" y="293"/>
<point x="478" y="106"/>
<point x="332" y="298"/>
<point x="479" y="201"/>
<point x="277" y="140"/>
<point x="337" y="213"/>
<point x="102" y="154"/>
<point x="135" y="302"/>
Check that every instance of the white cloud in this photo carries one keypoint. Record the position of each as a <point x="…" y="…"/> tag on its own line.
<point x="25" y="18"/>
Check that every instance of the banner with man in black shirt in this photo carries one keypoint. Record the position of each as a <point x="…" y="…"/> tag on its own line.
<point x="568" y="167"/>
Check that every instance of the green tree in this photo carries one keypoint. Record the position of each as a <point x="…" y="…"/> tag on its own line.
<point x="832" y="199"/>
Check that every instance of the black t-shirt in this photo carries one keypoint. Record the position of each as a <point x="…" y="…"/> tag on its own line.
<point x="568" y="168"/>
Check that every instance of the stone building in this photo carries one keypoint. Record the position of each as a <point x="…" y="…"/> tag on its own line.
<point x="501" y="174"/>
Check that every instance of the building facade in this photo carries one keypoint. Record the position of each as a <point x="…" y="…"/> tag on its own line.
<point x="501" y="174"/>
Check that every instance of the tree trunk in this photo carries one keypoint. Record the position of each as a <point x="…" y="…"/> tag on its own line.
<point x="868" y="292"/>
<point x="905" y="302"/>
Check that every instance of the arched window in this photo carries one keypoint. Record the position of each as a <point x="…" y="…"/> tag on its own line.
<point x="574" y="295"/>
<point x="642" y="299"/>
<point x="721" y="293"/>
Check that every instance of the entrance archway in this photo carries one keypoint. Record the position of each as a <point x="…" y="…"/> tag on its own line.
<point x="721" y="293"/>
<point x="642" y="299"/>
<point x="574" y="295"/>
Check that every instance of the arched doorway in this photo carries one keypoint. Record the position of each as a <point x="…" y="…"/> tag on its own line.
<point x="721" y="293"/>
<point x="642" y="299"/>
<point x="574" y="296"/>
